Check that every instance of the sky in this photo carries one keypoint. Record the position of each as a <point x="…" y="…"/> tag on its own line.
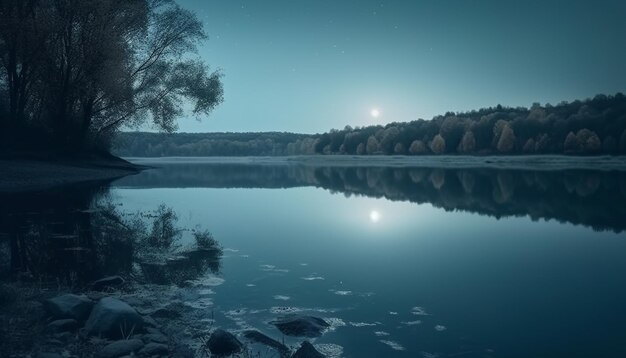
<point x="309" y="66"/>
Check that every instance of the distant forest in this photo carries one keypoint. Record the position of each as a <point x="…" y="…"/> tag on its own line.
<point x="590" y="127"/>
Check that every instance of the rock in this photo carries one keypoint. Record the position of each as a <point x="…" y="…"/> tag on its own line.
<point x="149" y="321"/>
<point x="137" y="336"/>
<point x="153" y="330"/>
<point x="307" y="350"/>
<point x="152" y="349"/>
<point x="258" y="337"/>
<point x="107" y="282"/>
<point x="63" y="325"/>
<point x="121" y="348"/>
<point x="301" y="326"/>
<point x="68" y="306"/>
<point x="64" y="336"/>
<point x="222" y="343"/>
<point x="49" y="355"/>
<point x="155" y="337"/>
<point x="166" y="313"/>
<point x="113" y="318"/>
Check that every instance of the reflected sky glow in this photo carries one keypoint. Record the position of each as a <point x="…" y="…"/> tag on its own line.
<point x="432" y="267"/>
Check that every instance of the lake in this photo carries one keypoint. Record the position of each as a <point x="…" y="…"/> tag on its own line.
<point x="401" y="261"/>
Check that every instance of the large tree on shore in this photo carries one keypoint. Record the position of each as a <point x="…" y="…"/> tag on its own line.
<point x="83" y="69"/>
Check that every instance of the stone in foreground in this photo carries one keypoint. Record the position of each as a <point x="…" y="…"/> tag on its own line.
<point x="154" y="349"/>
<point x="107" y="282"/>
<point x="223" y="344"/>
<point x="68" y="306"/>
<point x="260" y="338"/>
<point x="307" y="350"/>
<point x="113" y="318"/>
<point x="301" y="326"/>
<point x="63" y="325"/>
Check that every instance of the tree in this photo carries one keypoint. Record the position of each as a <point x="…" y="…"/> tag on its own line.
<point x="372" y="145"/>
<point x="572" y="144"/>
<point x="360" y="149"/>
<point x="21" y="39"/>
<point x="589" y="140"/>
<point x="399" y="148"/>
<point x="438" y="145"/>
<point x="542" y="143"/>
<point x="468" y="143"/>
<point x="529" y="147"/>
<point x="389" y="138"/>
<point x="609" y="145"/>
<point x="104" y="65"/>
<point x="418" y="147"/>
<point x="507" y="140"/>
<point x="452" y="131"/>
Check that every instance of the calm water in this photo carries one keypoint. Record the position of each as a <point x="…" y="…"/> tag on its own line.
<point x="404" y="262"/>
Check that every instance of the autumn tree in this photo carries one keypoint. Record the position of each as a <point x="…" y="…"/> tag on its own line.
<point x="438" y="145"/>
<point x="399" y="148"/>
<point x="468" y="143"/>
<point x="372" y="146"/>
<point x="418" y="147"/>
<point x="506" y="143"/>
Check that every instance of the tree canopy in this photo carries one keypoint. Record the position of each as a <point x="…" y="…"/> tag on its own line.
<point x="588" y="127"/>
<point x="74" y="72"/>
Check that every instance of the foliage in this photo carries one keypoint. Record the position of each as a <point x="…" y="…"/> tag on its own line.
<point x="76" y="72"/>
<point x="143" y="144"/>
<point x="205" y="240"/>
<point x="598" y="124"/>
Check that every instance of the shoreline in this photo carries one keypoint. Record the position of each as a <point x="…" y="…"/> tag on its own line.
<point x="26" y="174"/>
<point x="535" y="162"/>
<point x="21" y="175"/>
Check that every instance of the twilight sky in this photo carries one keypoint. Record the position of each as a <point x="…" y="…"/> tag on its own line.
<point x="309" y="66"/>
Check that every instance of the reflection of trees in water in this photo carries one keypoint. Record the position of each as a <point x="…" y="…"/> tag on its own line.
<point x="591" y="198"/>
<point x="596" y="199"/>
<point x="87" y="236"/>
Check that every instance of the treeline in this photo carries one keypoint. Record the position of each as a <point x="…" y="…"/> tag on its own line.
<point x="144" y="144"/>
<point x="589" y="127"/>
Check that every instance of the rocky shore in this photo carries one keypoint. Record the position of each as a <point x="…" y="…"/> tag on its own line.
<point x="106" y="320"/>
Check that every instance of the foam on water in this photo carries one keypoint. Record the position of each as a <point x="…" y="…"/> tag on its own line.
<point x="412" y="323"/>
<point x="419" y="311"/>
<point x="330" y="350"/>
<point x="394" y="345"/>
<point x="362" y="324"/>
<point x="312" y="278"/>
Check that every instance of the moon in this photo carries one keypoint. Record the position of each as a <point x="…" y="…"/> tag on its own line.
<point x="375" y="112"/>
<point x="374" y="216"/>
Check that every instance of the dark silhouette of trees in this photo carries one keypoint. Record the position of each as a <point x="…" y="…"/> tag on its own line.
<point x="76" y="72"/>
<point x="590" y="127"/>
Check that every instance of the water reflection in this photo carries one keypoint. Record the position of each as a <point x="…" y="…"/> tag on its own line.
<point x="73" y="236"/>
<point x="591" y="198"/>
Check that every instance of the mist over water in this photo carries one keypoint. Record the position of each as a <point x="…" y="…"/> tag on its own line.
<point x="399" y="261"/>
